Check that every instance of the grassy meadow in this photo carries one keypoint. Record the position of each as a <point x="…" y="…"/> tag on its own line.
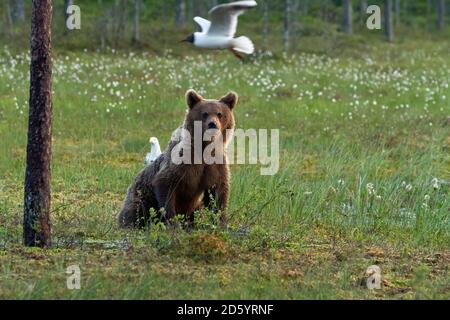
<point x="364" y="176"/>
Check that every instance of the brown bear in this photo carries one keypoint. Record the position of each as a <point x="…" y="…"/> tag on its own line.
<point x="181" y="188"/>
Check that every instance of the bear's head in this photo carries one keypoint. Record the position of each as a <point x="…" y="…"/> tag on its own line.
<point x="212" y="114"/>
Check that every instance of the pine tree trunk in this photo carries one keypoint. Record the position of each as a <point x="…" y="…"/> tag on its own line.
<point x="427" y="23"/>
<point x="119" y="21"/>
<point x="36" y="225"/>
<point x="67" y="4"/>
<point x="137" y="13"/>
<point x="305" y="7"/>
<point x="9" y="22"/>
<point x="348" y="19"/>
<point x="123" y="18"/>
<point x="164" y="16"/>
<point x="287" y="13"/>
<point x="18" y="11"/>
<point x="102" y="25"/>
<point x="180" y="12"/>
<point x="388" y="21"/>
<point x="363" y="11"/>
<point x="324" y="10"/>
<point x="265" y="22"/>
<point x="199" y="8"/>
<point x="441" y="14"/>
<point x="397" y="12"/>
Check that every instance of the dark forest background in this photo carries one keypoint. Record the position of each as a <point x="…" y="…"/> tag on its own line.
<point x="277" y="25"/>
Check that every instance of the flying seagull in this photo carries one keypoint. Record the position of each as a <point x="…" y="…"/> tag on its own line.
<point x="219" y="32"/>
<point x="155" y="151"/>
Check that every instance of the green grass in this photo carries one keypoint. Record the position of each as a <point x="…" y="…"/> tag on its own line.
<point x="347" y="122"/>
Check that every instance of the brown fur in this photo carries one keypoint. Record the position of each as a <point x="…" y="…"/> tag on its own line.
<point x="180" y="189"/>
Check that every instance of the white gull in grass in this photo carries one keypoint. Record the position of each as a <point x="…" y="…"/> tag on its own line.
<point x="155" y="151"/>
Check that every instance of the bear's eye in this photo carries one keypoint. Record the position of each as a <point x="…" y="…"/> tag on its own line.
<point x="205" y="115"/>
<point x="219" y="115"/>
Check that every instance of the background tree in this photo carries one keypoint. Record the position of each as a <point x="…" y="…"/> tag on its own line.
<point x="102" y="26"/>
<point x="18" y="11"/>
<point x="119" y="21"/>
<point x="37" y="174"/>
<point x="305" y="7"/>
<point x="67" y="3"/>
<point x="362" y="11"/>
<point x="388" y="21"/>
<point x="348" y="20"/>
<point x="324" y="10"/>
<point x="427" y="23"/>
<point x="8" y="16"/>
<point x="397" y="12"/>
<point x="286" y="24"/>
<point x="116" y="23"/>
<point x="180" y="13"/>
<point x="136" y="14"/>
<point x="265" y="33"/>
<point x="441" y="14"/>
<point x="123" y="14"/>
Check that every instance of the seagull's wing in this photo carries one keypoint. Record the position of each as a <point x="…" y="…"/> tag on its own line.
<point x="224" y="17"/>
<point x="203" y="23"/>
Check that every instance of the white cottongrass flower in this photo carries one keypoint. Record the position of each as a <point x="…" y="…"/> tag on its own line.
<point x="435" y="183"/>
<point x="370" y="188"/>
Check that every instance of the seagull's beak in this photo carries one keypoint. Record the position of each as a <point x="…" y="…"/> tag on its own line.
<point x="189" y="38"/>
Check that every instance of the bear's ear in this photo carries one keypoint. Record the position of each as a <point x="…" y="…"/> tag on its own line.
<point x="192" y="98"/>
<point x="230" y="99"/>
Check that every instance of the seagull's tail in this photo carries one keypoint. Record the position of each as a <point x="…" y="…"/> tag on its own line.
<point x="244" y="45"/>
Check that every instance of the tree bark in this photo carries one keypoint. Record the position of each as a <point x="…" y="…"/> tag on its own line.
<point x="388" y="21"/>
<point x="348" y="19"/>
<point x="441" y="14"/>
<point x="286" y="24"/>
<point x="36" y="227"/>
<point x="137" y="13"/>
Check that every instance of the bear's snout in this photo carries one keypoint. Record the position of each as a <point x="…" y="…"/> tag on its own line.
<point x="212" y="125"/>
